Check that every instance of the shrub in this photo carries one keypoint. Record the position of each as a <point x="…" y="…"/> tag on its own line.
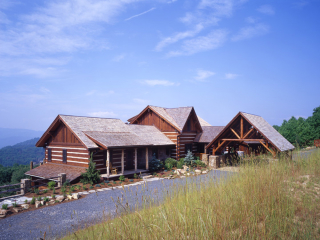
<point x="54" y="191"/>
<point x="131" y="180"/>
<point x="135" y="176"/>
<point x="4" y="206"/>
<point x="102" y="183"/>
<point x="26" y="201"/>
<point x="51" y="185"/>
<point x="172" y="162"/>
<point x="77" y="187"/>
<point x="106" y="181"/>
<point x="199" y="163"/>
<point x="180" y="164"/>
<point x="45" y="191"/>
<point x="56" y="201"/>
<point x="98" y="185"/>
<point x="66" y="183"/>
<point x="36" y="191"/>
<point x="114" y="182"/>
<point x="63" y="189"/>
<point x="46" y="199"/>
<point x="53" y="196"/>
<point x="168" y="166"/>
<point x="154" y="164"/>
<point x="39" y="198"/>
<point x="14" y="204"/>
<point x="33" y="201"/>
<point x="91" y="187"/>
<point x="84" y="187"/>
<point x="188" y="160"/>
<point x="72" y="188"/>
<point x="109" y="184"/>
<point x="92" y="174"/>
<point x="121" y="178"/>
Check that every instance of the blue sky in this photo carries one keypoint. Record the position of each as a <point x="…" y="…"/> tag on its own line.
<point x="113" y="58"/>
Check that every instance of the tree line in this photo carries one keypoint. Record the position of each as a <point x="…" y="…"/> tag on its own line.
<point x="301" y="132"/>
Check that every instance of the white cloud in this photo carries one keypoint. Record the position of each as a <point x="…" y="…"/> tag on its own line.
<point x="134" y="16"/>
<point x="219" y="7"/>
<point x="231" y="76"/>
<point x="213" y="40"/>
<point x="250" y="20"/>
<point x="158" y="82"/>
<point x="249" y="32"/>
<point x="178" y="36"/>
<point x="119" y="57"/>
<point x="266" y="9"/>
<point x="44" y="90"/>
<point x="140" y="101"/>
<point x="102" y="114"/>
<point x="203" y="74"/>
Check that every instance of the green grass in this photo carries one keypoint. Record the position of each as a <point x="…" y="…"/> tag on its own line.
<point x="278" y="200"/>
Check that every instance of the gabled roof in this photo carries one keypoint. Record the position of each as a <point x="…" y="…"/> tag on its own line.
<point x="268" y="131"/>
<point x="209" y="133"/>
<point x="203" y="123"/>
<point x="265" y="129"/>
<point x="138" y="135"/>
<point x="176" y="117"/>
<point x="92" y="131"/>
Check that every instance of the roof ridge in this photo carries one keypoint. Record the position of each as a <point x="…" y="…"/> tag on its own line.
<point x="86" y="116"/>
<point x="251" y="114"/>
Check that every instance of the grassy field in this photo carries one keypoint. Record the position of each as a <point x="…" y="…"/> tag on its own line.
<point x="265" y="200"/>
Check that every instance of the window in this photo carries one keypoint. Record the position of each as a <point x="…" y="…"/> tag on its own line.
<point x="49" y="154"/>
<point x="188" y="125"/>
<point x="64" y="155"/>
<point x="188" y="147"/>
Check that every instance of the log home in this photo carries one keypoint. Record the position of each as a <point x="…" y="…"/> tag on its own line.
<point x="70" y="141"/>
<point x="181" y="125"/>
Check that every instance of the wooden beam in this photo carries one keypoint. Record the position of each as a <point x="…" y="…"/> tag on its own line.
<point x="272" y="152"/>
<point x="246" y="135"/>
<point x="247" y="140"/>
<point x="135" y="160"/>
<point x="147" y="159"/>
<point x="108" y="163"/>
<point x="241" y="127"/>
<point x="219" y="146"/>
<point x="122" y="162"/>
<point x="235" y="133"/>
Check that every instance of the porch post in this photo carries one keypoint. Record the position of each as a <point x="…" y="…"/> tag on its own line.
<point x="147" y="159"/>
<point x="122" y="162"/>
<point x="135" y="160"/>
<point x="108" y="163"/>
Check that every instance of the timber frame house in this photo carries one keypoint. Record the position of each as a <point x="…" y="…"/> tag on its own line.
<point x="124" y="149"/>
<point x="251" y="134"/>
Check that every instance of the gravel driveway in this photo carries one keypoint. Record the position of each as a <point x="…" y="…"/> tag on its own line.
<point x="64" y="218"/>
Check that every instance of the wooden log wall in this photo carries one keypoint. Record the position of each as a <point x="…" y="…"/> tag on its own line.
<point x="115" y="158"/>
<point x="76" y="156"/>
<point x="186" y="138"/>
<point x="153" y="119"/>
<point x="173" y="137"/>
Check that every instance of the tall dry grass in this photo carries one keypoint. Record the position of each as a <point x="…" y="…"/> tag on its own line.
<point x="266" y="200"/>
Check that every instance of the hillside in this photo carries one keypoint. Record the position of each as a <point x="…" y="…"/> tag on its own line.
<point x="21" y="153"/>
<point x="9" y="136"/>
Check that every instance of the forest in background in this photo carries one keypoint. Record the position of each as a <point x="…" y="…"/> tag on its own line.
<point x="301" y="132"/>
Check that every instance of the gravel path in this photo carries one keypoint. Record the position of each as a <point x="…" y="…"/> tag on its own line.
<point x="64" y="218"/>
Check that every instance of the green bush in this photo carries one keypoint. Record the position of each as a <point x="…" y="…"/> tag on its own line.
<point x="172" y="162"/>
<point x="98" y="185"/>
<point x="154" y="164"/>
<point x="135" y="176"/>
<point x="14" y="204"/>
<point x="72" y="188"/>
<point x="131" y="180"/>
<point x="33" y="201"/>
<point x="168" y="166"/>
<point x="53" y="196"/>
<point x="36" y="191"/>
<point x="26" y="201"/>
<point x="45" y="191"/>
<point x="4" y="206"/>
<point x="122" y="178"/>
<point x="39" y="198"/>
<point x="51" y="185"/>
<point x="92" y="174"/>
<point x="66" y="183"/>
<point x="46" y="199"/>
<point x="189" y="159"/>
<point x="180" y="164"/>
<point x="91" y="187"/>
<point x="63" y="189"/>
<point x="199" y="163"/>
<point x="84" y="187"/>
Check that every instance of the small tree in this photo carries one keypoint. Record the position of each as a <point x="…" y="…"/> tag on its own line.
<point x="188" y="160"/>
<point x="92" y="174"/>
<point x="154" y="164"/>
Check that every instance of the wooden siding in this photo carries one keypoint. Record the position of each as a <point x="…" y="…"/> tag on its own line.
<point x="153" y="119"/>
<point x="76" y="156"/>
<point x="192" y="124"/>
<point x="186" y="138"/>
<point x="63" y="135"/>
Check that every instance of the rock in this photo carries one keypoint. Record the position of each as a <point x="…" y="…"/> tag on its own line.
<point x="38" y="204"/>
<point x="188" y="174"/>
<point x="3" y="212"/>
<point x="76" y="196"/>
<point x="69" y="197"/>
<point x="60" y="198"/>
<point x="197" y="171"/>
<point x="182" y="171"/>
<point x="146" y="177"/>
<point x="25" y="206"/>
<point x="42" y="203"/>
<point x="51" y="202"/>
<point x="182" y="176"/>
<point x="186" y="168"/>
<point x="204" y="172"/>
<point x="16" y="209"/>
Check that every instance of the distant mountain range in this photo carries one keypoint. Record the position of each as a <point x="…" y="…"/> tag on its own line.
<point x="9" y="136"/>
<point x="21" y="153"/>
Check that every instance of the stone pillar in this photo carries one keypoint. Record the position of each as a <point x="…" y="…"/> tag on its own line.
<point x="62" y="177"/>
<point x="135" y="160"/>
<point x="122" y="162"/>
<point x="108" y="163"/>
<point x="147" y="159"/>
<point x="204" y="158"/>
<point x="214" y="161"/>
<point x="31" y="165"/>
<point x="25" y="185"/>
